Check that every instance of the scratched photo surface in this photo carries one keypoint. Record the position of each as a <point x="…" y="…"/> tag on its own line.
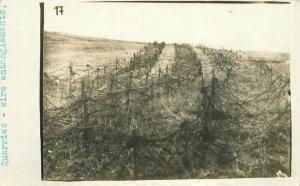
<point x="139" y="91"/>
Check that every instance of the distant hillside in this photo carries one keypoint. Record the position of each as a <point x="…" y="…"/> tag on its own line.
<point x="267" y="55"/>
<point x="62" y="49"/>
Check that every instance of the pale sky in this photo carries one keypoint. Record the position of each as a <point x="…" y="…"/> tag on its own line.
<point x="244" y="26"/>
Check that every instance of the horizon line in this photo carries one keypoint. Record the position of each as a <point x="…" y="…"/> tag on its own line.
<point x="170" y="43"/>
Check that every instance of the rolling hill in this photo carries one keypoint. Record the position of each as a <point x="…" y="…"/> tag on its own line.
<point x="63" y="49"/>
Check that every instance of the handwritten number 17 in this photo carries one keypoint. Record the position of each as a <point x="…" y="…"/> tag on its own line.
<point x="59" y="10"/>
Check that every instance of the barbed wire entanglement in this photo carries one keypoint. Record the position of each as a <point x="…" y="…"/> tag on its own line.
<point x="171" y="111"/>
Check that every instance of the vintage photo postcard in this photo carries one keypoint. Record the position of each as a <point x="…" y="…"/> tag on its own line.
<point x="138" y="91"/>
<point x="149" y="93"/>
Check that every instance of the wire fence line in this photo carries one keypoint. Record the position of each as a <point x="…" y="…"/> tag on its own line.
<point x="125" y="83"/>
<point x="113" y="79"/>
<point x="136" y="120"/>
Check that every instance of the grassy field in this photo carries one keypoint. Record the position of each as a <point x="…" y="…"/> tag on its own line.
<point x="174" y="111"/>
<point x="63" y="49"/>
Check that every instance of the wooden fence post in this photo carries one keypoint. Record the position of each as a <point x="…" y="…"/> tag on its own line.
<point x="112" y="83"/>
<point x="187" y="80"/>
<point x="85" y="102"/>
<point x="159" y="72"/>
<point x="178" y="80"/>
<point x="167" y="80"/>
<point x="129" y="96"/>
<point x="104" y="72"/>
<point x="116" y="69"/>
<point x="70" y="80"/>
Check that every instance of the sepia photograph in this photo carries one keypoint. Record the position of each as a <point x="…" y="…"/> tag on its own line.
<point x="165" y="91"/>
